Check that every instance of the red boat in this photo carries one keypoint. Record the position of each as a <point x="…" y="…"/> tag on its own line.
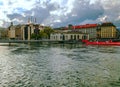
<point x="110" y="42"/>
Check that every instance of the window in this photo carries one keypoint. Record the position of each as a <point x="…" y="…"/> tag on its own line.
<point x="61" y="37"/>
<point x="66" y="37"/>
<point x="78" y="37"/>
<point x="74" y="37"/>
<point x="71" y="36"/>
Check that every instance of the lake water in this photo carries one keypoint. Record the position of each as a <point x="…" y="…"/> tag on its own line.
<point x="59" y="65"/>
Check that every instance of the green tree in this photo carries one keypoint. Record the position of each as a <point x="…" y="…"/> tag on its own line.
<point x="35" y="36"/>
<point x="48" y="31"/>
<point x="43" y="35"/>
<point x="70" y="26"/>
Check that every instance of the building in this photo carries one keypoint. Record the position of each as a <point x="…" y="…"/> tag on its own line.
<point x="59" y="36"/>
<point x="15" y="31"/>
<point x="11" y="32"/>
<point x="107" y="31"/>
<point x="90" y="29"/>
<point x="22" y="32"/>
<point x="27" y="31"/>
<point x="18" y="31"/>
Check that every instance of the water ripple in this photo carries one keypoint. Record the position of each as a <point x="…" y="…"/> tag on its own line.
<point x="59" y="65"/>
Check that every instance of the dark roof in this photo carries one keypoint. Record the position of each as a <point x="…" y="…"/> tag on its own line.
<point x="60" y="28"/>
<point x="107" y="24"/>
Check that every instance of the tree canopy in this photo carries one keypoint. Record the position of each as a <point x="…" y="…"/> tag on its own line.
<point x="43" y="34"/>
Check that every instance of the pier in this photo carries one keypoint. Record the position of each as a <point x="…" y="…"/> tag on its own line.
<point x="25" y="41"/>
<point x="39" y="41"/>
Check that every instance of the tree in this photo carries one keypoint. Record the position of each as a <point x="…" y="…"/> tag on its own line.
<point x="35" y="36"/>
<point x="43" y="35"/>
<point x="70" y="26"/>
<point x="48" y="31"/>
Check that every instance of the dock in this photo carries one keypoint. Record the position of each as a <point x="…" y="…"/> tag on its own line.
<point x="26" y="41"/>
<point x="37" y="41"/>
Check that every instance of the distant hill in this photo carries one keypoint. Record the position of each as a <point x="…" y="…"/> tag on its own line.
<point x="118" y="28"/>
<point x="1" y="28"/>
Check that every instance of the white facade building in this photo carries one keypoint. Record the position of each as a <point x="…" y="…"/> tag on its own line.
<point x="68" y="36"/>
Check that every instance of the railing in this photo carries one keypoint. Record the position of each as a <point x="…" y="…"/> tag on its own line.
<point x="44" y="40"/>
<point x="23" y="41"/>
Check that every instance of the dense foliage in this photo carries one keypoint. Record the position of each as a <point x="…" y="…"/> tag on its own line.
<point x="43" y="34"/>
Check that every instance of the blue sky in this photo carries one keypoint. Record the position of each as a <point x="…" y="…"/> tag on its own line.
<point x="58" y="13"/>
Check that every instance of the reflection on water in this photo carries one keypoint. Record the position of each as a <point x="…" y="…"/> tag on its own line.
<point x="59" y="65"/>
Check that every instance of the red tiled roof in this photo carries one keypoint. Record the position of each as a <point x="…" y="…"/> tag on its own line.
<point x="81" y="26"/>
<point x="84" y="26"/>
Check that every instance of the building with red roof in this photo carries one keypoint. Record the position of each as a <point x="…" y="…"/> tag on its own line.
<point x="90" y="29"/>
<point x="95" y="31"/>
<point x="87" y="26"/>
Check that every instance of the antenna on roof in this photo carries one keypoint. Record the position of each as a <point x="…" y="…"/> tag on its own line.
<point x="31" y="19"/>
<point x="28" y="20"/>
<point x="35" y="20"/>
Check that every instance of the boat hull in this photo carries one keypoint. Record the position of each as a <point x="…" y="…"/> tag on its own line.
<point x="102" y="43"/>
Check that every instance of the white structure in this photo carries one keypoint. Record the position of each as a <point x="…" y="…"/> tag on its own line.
<point x="68" y="36"/>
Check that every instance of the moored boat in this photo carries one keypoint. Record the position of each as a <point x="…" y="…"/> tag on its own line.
<point x="110" y="42"/>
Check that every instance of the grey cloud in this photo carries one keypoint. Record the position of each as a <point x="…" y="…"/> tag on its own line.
<point x="39" y="12"/>
<point x="15" y="15"/>
<point x="82" y="12"/>
<point x="111" y="10"/>
<point x="43" y="14"/>
<point x="19" y="18"/>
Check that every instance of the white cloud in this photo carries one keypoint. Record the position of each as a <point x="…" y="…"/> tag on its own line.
<point x="92" y="1"/>
<point x="59" y="12"/>
<point x="57" y="21"/>
<point x="14" y="6"/>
